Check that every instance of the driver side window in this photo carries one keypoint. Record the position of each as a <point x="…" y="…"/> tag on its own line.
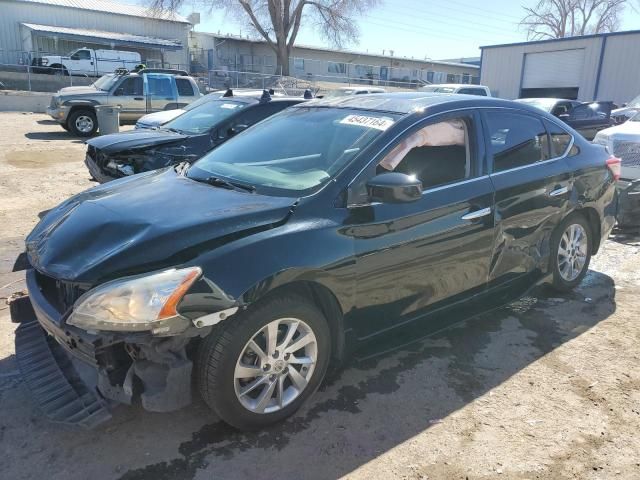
<point x="437" y="154"/>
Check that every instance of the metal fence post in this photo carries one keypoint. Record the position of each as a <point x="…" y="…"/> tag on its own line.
<point x="29" y="76"/>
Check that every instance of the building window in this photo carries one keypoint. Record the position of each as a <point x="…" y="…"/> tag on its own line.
<point x="298" y="63"/>
<point x="430" y="76"/>
<point x="338" y="68"/>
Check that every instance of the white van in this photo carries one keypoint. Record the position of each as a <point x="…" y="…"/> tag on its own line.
<point x="462" y="88"/>
<point x="86" y="61"/>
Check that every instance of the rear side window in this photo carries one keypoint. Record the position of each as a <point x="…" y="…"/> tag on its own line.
<point x="517" y="140"/>
<point x="560" y="139"/>
<point x="184" y="87"/>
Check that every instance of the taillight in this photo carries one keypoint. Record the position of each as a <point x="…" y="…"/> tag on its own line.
<point x="615" y="165"/>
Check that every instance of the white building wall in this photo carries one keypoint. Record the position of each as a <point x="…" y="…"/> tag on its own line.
<point x="502" y="66"/>
<point x="13" y="13"/>
<point x="247" y="55"/>
<point x="620" y="77"/>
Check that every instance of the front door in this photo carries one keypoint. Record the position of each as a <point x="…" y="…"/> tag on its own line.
<point x="533" y="185"/>
<point x="414" y="257"/>
<point x="129" y="96"/>
<point x="160" y="91"/>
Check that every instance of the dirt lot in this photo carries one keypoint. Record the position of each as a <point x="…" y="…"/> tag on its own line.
<point x="544" y="388"/>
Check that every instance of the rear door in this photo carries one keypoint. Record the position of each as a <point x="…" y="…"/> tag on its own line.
<point x="589" y="118"/>
<point x="414" y="257"/>
<point x="160" y="92"/>
<point x="533" y="183"/>
<point x="129" y="96"/>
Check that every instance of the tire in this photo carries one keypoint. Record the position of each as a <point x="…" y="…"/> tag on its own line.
<point x="237" y="400"/>
<point x="570" y="261"/>
<point x="65" y="126"/>
<point x="83" y="123"/>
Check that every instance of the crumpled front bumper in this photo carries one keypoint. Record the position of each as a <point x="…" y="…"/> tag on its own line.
<point x="74" y="375"/>
<point x="51" y="376"/>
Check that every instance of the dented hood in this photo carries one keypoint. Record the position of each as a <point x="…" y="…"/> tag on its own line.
<point x="143" y="223"/>
<point x="118" y="142"/>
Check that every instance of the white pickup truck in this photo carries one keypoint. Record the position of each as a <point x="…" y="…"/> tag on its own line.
<point x="86" y="61"/>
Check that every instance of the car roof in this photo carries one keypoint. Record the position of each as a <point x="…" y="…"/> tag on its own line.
<point x="405" y="103"/>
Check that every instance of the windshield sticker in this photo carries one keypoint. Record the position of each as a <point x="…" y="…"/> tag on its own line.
<point x="230" y="106"/>
<point x="367" y="122"/>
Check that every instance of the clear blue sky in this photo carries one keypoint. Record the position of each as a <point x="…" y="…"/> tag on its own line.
<point x="435" y="29"/>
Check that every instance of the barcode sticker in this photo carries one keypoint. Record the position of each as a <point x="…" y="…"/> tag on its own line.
<point x="368" y="122"/>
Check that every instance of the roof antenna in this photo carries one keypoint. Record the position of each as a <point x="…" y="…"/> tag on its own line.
<point x="307" y="94"/>
<point x="265" y="96"/>
<point x="228" y="93"/>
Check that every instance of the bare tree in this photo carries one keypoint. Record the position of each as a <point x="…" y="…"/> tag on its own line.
<point x="568" y="18"/>
<point x="278" y="21"/>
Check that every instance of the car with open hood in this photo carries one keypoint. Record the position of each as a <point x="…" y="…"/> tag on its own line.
<point x="183" y="139"/>
<point x="624" y="142"/>
<point x="336" y="221"/>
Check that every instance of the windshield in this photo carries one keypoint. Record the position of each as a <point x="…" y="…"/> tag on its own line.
<point x="207" y="115"/>
<point x="635" y="118"/>
<point x="298" y="149"/>
<point x="439" y="89"/>
<point x="635" y="102"/>
<point x="210" y="97"/>
<point x="541" y="103"/>
<point x="106" y="82"/>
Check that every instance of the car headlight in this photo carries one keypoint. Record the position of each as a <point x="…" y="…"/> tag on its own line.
<point x="132" y="304"/>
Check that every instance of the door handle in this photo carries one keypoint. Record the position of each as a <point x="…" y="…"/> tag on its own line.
<point x="477" y="214"/>
<point x="138" y="98"/>
<point x="559" y="191"/>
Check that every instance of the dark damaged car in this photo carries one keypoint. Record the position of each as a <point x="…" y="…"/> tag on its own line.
<point x="183" y="139"/>
<point x="329" y="224"/>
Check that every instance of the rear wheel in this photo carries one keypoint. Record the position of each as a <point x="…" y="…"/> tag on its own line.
<point x="571" y="252"/>
<point x="260" y="366"/>
<point x="83" y="123"/>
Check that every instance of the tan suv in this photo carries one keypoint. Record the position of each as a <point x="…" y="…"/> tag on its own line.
<point x="136" y="94"/>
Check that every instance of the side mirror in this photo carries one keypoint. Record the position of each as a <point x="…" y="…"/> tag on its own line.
<point x="394" y="187"/>
<point x="119" y="92"/>
<point x="623" y="105"/>
<point x="237" y="129"/>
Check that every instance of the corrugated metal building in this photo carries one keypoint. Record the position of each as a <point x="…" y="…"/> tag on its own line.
<point x="224" y="52"/>
<point x="30" y="28"/>
<point x="590" y="67"/>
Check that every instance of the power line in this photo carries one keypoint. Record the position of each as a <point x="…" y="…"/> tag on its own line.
<point x="459" y="23"/>
<point x="412" y="10"/>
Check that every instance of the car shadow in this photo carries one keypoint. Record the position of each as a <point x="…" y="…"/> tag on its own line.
<point x="390" y="391"/>
<point x="47" y="122"/>
<point x="61" y="135"/>
<point x="626" y="236"/>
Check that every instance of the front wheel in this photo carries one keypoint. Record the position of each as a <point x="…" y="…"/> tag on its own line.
<point x="261" y="365"/>
<point x="83" y="123"/>
<point x="570" y="252"/>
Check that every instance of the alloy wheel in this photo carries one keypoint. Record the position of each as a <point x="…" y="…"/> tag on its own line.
<point x="84" y="123"/>
<point x="572" y="252"/>
<point x="275" y="365"/>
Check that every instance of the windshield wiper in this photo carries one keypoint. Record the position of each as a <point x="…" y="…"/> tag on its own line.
<point x="220" y="182"/>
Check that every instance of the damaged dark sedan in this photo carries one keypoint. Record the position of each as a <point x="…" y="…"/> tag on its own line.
<point x="253" y="270"/>
<point x="183" y="139"/>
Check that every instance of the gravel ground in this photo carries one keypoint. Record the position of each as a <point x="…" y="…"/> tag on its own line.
<point x="546" y="387"/>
